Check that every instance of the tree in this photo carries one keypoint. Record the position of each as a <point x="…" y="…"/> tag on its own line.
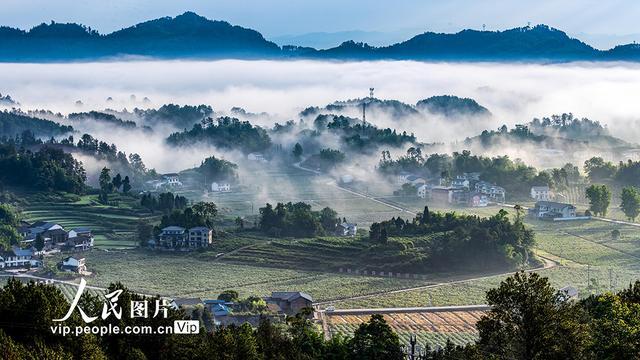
<point x="8" y="215"/>
<point x="126" y="186"/>
<point x="8" y="236"/>
<point x="39" y="242"/>
<point x="329" y="220"/>
<point x="145" y="232"/>
<point x="229" y="296"/>
<point x="599" y="199"/>
<point x="375" y="340"/>
<point x="529" y="319"/>
<point x="239" y="222"/>
<point x="630" y="202"/>
<point x="297" y="150"/>
<point x="105" y="180"/>
<point x="117" y="181"/>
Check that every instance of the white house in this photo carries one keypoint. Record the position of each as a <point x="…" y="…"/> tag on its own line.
<point x="477" y="199"/>
<point x="220" y="187"/>
<point x="18" y="258"/>
<point x="73" y="264"/>
<point x="348" y="229"/>
<point x="495" y="192"/>
<point x="553" y="210"/>
<point x="257" y="157"/>
<point x="172" y="179"/>
<point x="424" y="191"/>
<point x="541" y="193"/>
<point x="460" y="182"/>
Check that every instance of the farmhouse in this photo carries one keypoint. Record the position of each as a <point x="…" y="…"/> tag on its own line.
<point x="73" y="264"/>
<point x="257" y="157"/>
<point x="220" y="187"/>
<point x="56" y="237"/>
<point x="460" y="182"/>
<point x="18" y="258"/>
<point x="218" y="307"/>
<point x="176" y="237"/>
<point x="494" y="192"/>
<point x="477" y="199"/>
<point x="347" y="229"/>
<point x="541" y="193"/>
<point x="424" y="191"/>
<point x="172" y="179"/>
<point x="200" y="237"/>
<point x="553" y="210"/>
<point x="290" y="302"/>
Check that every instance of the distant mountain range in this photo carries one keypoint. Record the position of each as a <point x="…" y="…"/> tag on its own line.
<point x="192" y="36"/>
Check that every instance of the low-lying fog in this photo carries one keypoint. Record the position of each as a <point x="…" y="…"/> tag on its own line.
<point x="514" y="93"/>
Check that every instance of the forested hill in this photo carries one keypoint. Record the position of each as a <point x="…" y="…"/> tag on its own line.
<point x="12" y="124"/>
<point x="191" y="35"/>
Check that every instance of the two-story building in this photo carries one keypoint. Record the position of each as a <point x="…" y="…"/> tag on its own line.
<point x="176" y="237"/>
<point x="18" y="258"/>
<point x="553" y="210"/>
<point x="494" y="192"/>
<point x="290" y="302"/>
<point x="541" y="193"/>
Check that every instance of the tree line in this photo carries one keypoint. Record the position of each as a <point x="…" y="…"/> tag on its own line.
<point x="297" y="220"/>
<point x="435" y="240"/>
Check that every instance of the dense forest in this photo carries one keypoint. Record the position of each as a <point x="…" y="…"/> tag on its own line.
<point x="297" y="220"/>
<point x="182" y="117"/>
<point x="448" y="105"/>
<point x="101" y="117"/>
<point x="226" y="133"/>
<point x="438" y="241"/>
<point x="12" y="124"/>
<point x="48" y="169"/>
<point x="623" y="174"/>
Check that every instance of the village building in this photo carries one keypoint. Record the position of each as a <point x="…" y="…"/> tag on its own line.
<point x="553" y="210"/>
<point x="257" y="157"/>
<point x="219" y="308"/>
<point x="200" y="236"/>
<point x="176" y="237"/>
<point x="73" y="264"/>
<point x="477" y="199"/>
<point x="541" y="193"/>
<point x="460" y="182"/>
<point x="494" y="192"/>
<point x="290" y="302"/>
<point x="55" y="236"/>
<point x="18" y="258"/>
<point x="220" y="187"/>
<point x="172" y="179"/>
<point x="424" y="191"/>
<point x="347" y="229"/>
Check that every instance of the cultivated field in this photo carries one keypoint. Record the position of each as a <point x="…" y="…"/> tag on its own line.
<point x="432" y="328"/>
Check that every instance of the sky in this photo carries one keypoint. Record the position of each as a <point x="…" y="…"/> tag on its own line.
<point x="600" y="23"/>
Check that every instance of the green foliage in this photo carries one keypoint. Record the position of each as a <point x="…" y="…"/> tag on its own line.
<point x="226" y="132"/>
<point x="297" y="151"/>
<point x="440" y="241"/>
<point x="48" y="169"/>
<point x="599" y="199"/>
<point x="630" y="202"/>
<point x="14" y="123"/>
<point x="229" y="296"/>
<point x="375" y="340"/>
<point x="529" y="319"/>
<point x="214" y="169"/>
<point x="297" y="220"/>
<point x="330" y="158"/>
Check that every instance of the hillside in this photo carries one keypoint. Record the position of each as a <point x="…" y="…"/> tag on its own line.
<point x="190" y="35"/>
<point x="12" y="124"/>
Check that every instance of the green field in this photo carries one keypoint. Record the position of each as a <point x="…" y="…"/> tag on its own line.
<point x="589" y="259"/>
<point x="112" y="226"/>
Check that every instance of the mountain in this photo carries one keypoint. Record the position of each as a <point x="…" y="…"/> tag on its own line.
<point x="192" y="36"/>
<point x="186" y="35"/>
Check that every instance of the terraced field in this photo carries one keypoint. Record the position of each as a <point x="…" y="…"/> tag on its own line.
<point x="112" y="226"/>
<point x="432" y="328"/>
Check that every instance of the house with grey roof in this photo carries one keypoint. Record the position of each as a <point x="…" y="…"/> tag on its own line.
<point x="290" y="302"/>
<point x="552" y="210"/>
